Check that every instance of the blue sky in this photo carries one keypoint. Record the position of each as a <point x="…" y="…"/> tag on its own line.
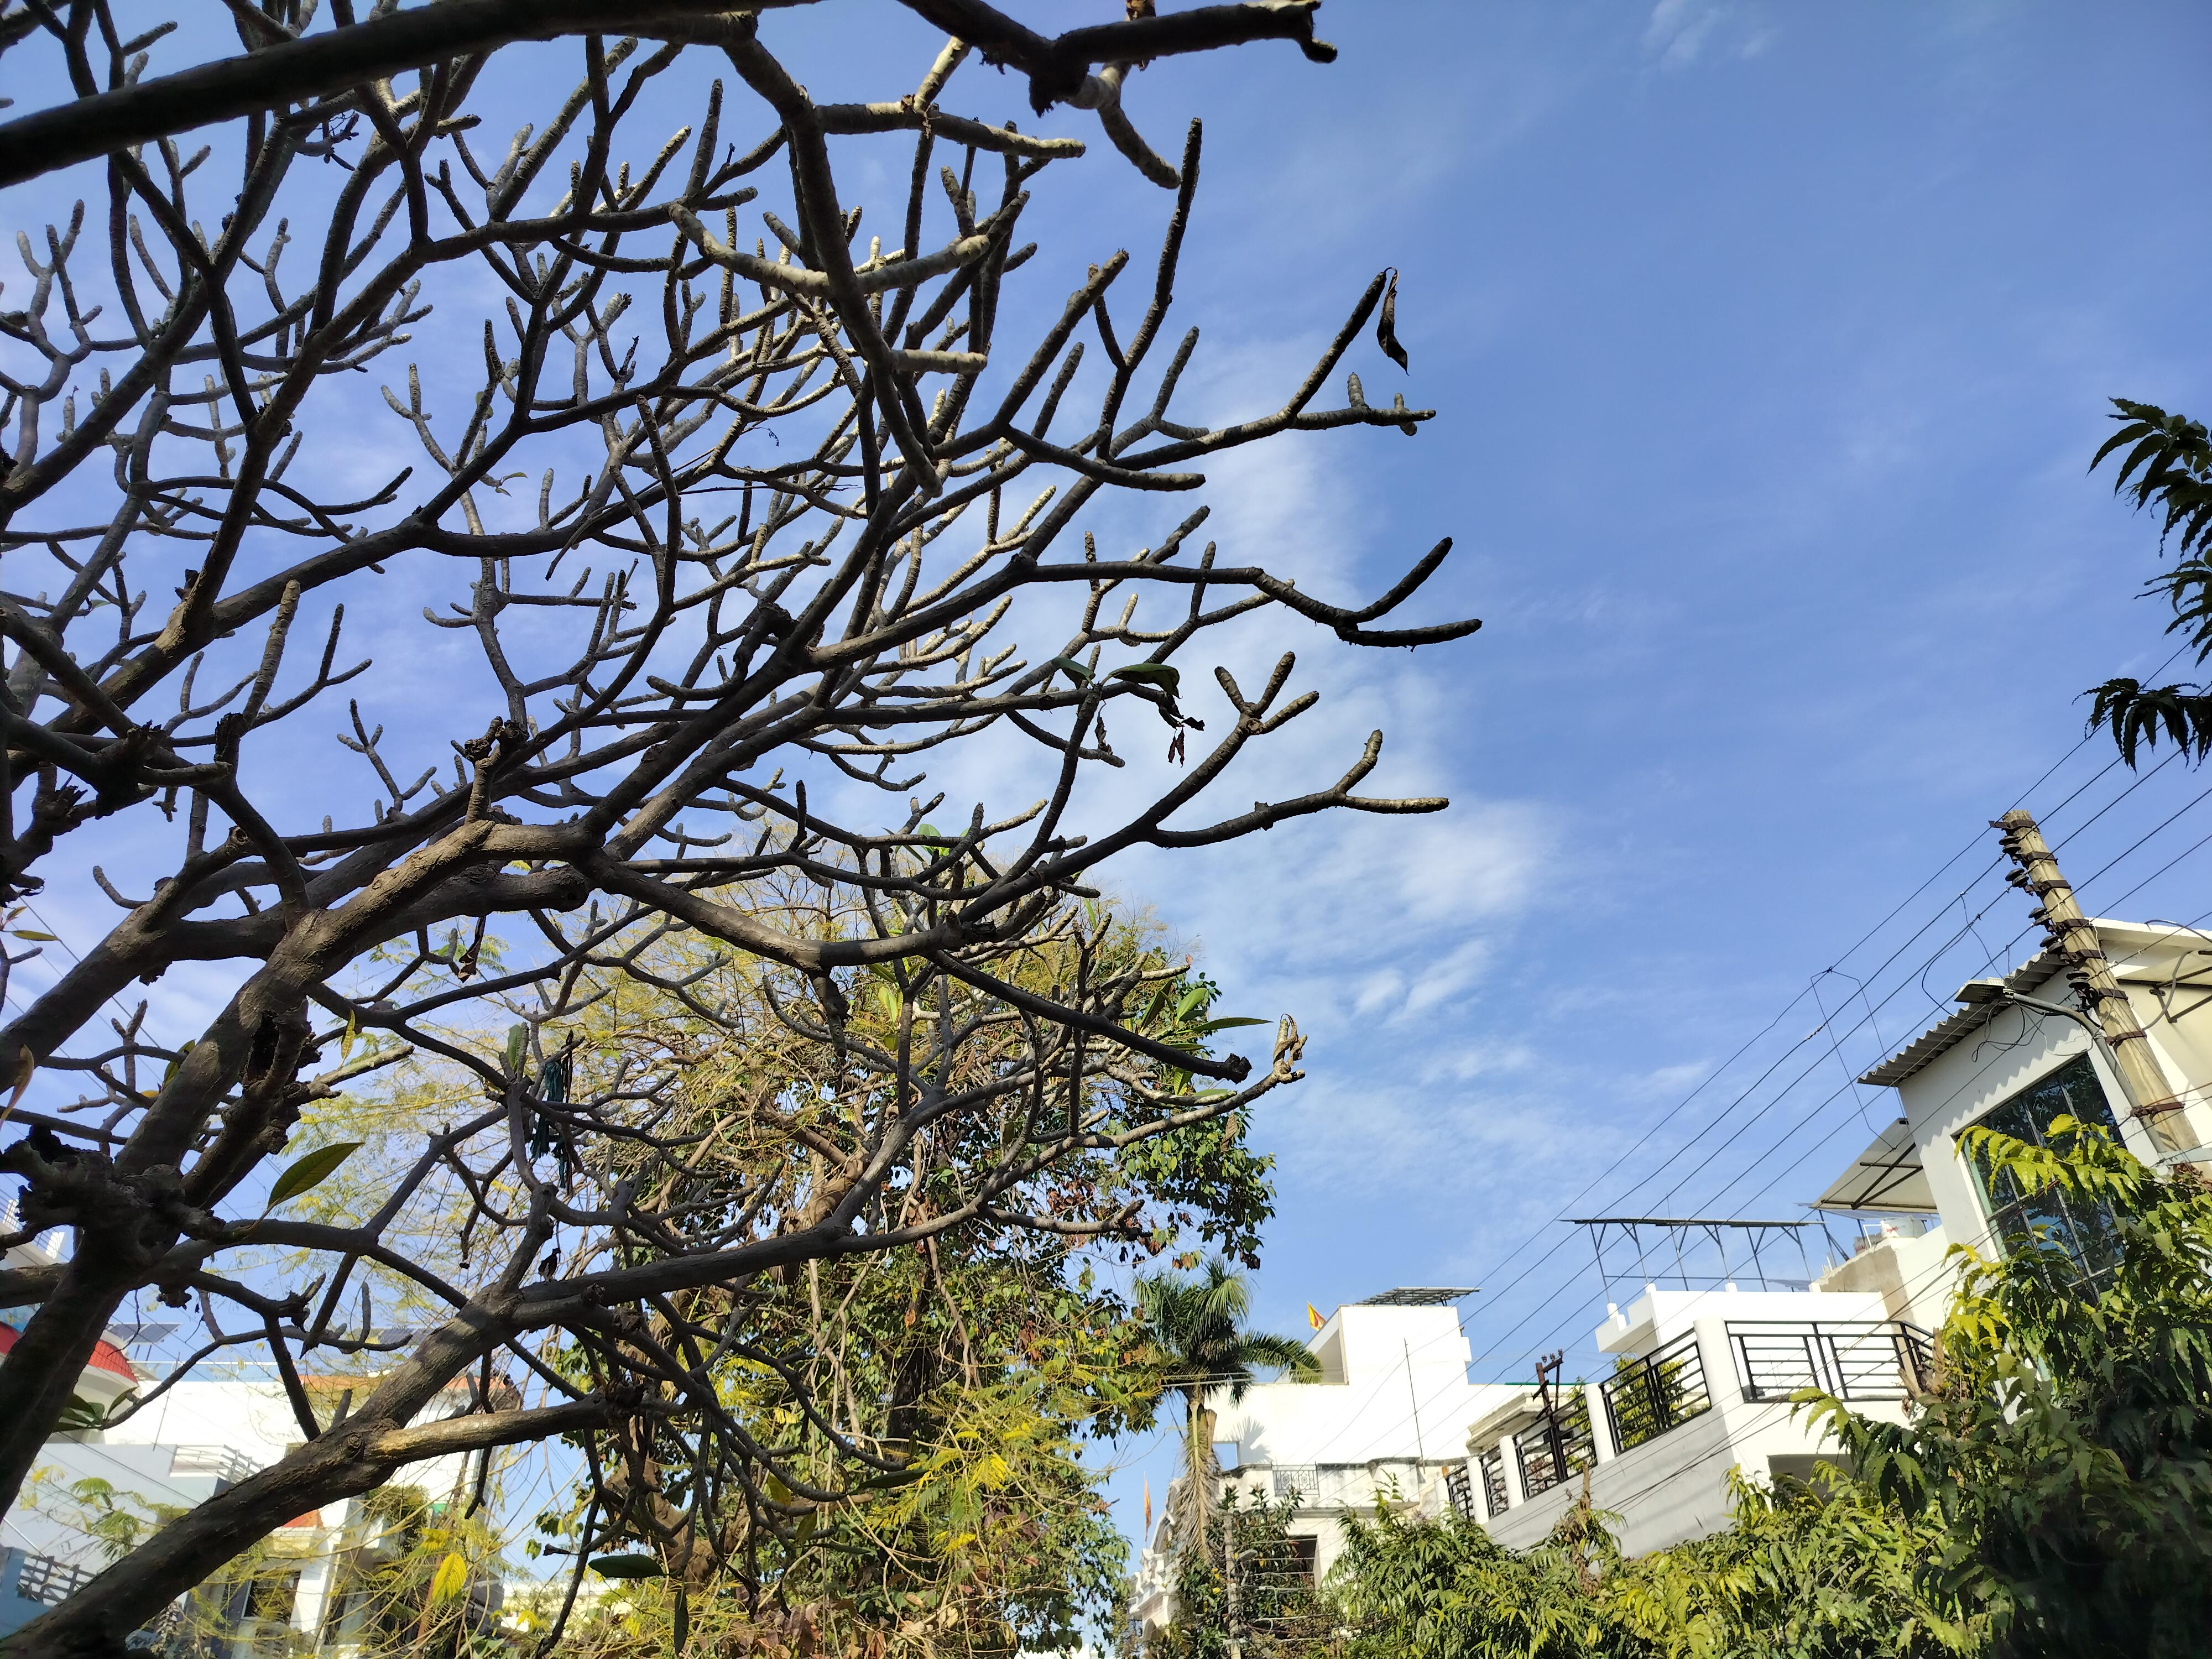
<point x="1769" y="345"/>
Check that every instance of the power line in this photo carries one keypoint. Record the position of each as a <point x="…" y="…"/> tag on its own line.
<point x="1812" y="1113"/>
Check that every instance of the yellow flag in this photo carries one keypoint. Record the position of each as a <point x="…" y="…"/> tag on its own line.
<point x="1313" y="1317"/>
<point x="1148" y="1506"/>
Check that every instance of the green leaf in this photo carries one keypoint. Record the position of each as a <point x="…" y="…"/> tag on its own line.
<point x="1222" y="1025"/>
<point x="1074" y="670"/>
<point x="626" y="1566"/>
<point x="32" y="933"/>
<point x="518" y="1038"/>
<point x="1193" y="1000"/>
<point x="451" y="1578"/>
<point x="311" y="1171"/>
<point x="1153" y="673"/>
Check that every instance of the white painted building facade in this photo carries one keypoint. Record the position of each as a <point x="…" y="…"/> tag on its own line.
<point x="198" y="1439"/>
<point x="1701" y="1378"/>
<point x="1387" y="1417"/>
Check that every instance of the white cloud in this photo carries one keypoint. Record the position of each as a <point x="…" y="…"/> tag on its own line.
<point x="1681" y="31"/>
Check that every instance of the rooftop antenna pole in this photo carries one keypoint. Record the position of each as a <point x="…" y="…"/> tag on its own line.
<point x="2150" y="1099"/>
<point x="1420" y="1452"/>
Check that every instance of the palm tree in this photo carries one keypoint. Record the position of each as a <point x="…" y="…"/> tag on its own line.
<point x="1198" y="1325"/>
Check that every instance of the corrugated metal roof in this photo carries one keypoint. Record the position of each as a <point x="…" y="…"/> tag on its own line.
<point x="1954" y="1029"/>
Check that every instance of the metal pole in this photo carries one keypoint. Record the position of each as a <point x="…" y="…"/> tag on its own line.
<point x="1235" y="1632"/>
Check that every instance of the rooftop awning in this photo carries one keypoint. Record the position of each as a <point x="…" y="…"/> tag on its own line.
<point x="1886" y="1177"/>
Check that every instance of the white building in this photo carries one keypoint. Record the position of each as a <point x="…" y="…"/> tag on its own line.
<point x="198" y="1438"/>
<point x="1388" y="1416"/>
<point x="1702" y="1377"/>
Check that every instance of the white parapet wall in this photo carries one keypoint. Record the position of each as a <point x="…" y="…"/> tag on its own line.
<point x="1703" y="1390"/>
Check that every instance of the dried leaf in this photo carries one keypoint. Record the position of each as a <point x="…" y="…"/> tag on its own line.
<point x="1386" y="326"/>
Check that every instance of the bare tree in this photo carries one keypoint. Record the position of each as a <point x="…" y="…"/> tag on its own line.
<point x="699" y="505"/>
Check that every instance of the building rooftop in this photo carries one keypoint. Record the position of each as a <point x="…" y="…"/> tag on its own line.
<point x="1954" y="1029"/>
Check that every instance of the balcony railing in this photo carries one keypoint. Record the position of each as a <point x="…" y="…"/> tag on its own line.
<point x="1661" y="1391"/>
<point x="44" y="1579"/>
<point x="1556" y="1447"/>
<point x="1851" y="1359"/>
<point x="1492" y="1466"/>
<point x="1346" y="1486"/>
<point x="1459" y="1489"/>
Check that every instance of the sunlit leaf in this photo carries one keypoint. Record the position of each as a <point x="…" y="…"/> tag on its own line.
<point x="311" y="1171"/>
<point x="451" y="1578"/>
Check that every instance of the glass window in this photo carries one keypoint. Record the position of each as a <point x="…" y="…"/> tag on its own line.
<point x="2085" y="1232"/>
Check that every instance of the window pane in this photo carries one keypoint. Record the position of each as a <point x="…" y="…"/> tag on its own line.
<point x="2085" y="1233"/>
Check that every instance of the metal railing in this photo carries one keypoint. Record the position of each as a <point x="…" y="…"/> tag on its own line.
<point x="1459" y="1489"/>
<point x="1323" y="1486"/>
<point x="44" y="1579"/>
<point x="1346" y="1486"/>
<point x="1492" y="1466"/>
<point x="1556" y="1448"/>
<point x="1851" y="1359"/>
<point x="1660" y="1391"/>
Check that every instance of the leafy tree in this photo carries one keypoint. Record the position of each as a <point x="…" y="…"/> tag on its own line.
<point x="2167" y="468"/>
<point x="1444" y="1589"/>
<point x="1805" y="1572"/>
<point x="1197" y="1324"/>
<point x="2066" y="1450"/>
<point x="1801" y="1574"/>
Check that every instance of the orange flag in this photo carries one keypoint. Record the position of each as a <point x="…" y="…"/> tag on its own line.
<point x="1313" y="1317"/>
<point x="1148" y="1506"/>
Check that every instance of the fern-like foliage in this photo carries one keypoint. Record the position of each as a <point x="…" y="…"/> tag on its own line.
<point x="2167" y="467"/>
<point x="2139" y="714"/>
